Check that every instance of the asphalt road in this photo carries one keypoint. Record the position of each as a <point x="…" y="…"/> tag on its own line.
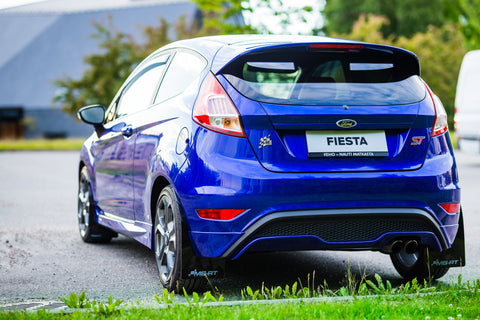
<point x="43" y="257"/>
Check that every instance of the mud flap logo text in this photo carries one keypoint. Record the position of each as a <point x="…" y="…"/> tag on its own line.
<point x="445" y="263"/>
<point x="195" y="273"/>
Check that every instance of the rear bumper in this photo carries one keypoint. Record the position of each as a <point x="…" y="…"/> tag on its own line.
<point x="216" y="180"/>
<point x="339" y="229"/>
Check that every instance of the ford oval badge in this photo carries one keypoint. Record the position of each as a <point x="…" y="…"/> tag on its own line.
<point x="346" y="123"/>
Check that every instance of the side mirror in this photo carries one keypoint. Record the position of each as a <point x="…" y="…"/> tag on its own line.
<point x="95" y="115"/>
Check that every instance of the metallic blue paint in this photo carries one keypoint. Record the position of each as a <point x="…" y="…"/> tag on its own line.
<point x="220" y="171"/>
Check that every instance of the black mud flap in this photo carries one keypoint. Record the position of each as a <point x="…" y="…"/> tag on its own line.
<point x="453" y="257"/>
<point x="198" y="267"/>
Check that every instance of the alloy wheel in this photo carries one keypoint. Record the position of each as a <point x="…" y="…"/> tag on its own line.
<point x="83" y="205"/>
<point x="165" y="238"/>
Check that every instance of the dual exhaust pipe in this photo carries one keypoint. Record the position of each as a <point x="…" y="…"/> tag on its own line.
<point x="409" y="246"/>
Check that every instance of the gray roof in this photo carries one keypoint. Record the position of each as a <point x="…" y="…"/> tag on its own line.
<point x="44" y="41"/>
<point x="76" y="6"/>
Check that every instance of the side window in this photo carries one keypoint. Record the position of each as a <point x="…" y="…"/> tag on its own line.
<point x="183" y="70"/>
<point x="139" y="92"/>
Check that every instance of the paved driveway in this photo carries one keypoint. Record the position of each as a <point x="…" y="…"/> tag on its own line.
<point x="42" y="255"/>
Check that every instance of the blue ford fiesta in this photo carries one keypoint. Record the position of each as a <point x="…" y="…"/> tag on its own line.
<point x="219" y="146"/>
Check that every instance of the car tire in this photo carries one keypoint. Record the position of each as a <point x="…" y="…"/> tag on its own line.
<point x="415" y="265"/>
<point x="90" y="231"/>
<point x="167" y="244"/>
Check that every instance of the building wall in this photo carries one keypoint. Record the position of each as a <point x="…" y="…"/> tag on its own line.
<point x="42" y="44"/>
<point x="53" y="123"/>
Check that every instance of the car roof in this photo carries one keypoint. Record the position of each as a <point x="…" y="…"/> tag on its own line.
<point x="220" y="50"/>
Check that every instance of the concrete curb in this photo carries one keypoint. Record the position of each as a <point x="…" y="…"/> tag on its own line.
<point x="34" y="305"/>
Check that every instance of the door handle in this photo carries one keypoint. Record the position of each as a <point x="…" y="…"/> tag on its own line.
<point x="127" y="131"/>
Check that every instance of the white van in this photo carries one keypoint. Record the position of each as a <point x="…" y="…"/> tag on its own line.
<point x="467" y="104"/>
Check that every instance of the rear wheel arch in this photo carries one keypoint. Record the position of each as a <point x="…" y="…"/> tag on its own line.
<point x="172" y="276"/>
<point x="89" y="172"/>
<point x="80" y="167"/>
<point x="160" y="183"/>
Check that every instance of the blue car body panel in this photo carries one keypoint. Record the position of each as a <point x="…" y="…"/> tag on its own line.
<point x="238" y="184"/>
<point x="212" y="170"/>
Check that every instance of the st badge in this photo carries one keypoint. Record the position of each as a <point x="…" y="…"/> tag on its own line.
<point x="416" y="141"/>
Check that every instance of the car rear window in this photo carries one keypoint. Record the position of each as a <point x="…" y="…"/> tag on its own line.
<point x="299" y="76"/>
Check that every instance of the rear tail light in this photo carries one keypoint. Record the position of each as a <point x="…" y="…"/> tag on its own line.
<point x="219" y="214"/>
<point x="215" y="110"/>
<point x="440" y="125"/>
<point x="450" y="207"/>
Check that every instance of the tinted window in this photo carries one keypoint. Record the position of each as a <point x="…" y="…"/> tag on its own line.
<point x="183" y="70"/>
<point x="303" y="77"/>
<point x="139" y="94"/>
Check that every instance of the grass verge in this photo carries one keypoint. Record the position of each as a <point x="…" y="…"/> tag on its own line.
<point x="41" y="144"/>
<point x="448" y="305"/>
<point x="368" y="300"/>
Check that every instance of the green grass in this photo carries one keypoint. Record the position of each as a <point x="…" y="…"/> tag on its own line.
<point x="449" y="305"/>
<point x="370" y="299"/>
<point x="41" y="144"/>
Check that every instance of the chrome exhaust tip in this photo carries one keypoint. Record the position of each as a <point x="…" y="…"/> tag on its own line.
<point x="411" y="246"/>
<point x="393" y="247"/>
<point x="397" y="246"/>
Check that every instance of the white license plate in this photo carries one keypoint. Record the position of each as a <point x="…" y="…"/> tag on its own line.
<point x="346" y="144"/>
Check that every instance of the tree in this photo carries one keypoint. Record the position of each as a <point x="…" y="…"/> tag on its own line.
<point x="120" y="53"/>
<point x="283" y="17"/>
<point x="406" y="17"/>
<point x="440" y="51"/>
<point x="469" y="17"/>
<point x="340" y="15"/>
<point x="105" y="73"/>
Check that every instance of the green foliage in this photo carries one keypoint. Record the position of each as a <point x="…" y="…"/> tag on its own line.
<point x="196" y="302"/>
<point x="410" y="24"/>
<point x="448" y="305"/>
<point x="105" y="73"/>
<point x="81" y="302"/>
<point x="458" y="300"/>
<point x="76" y="302"/>
<point x="353" y="287"/>
<point x="286" y="15"/>
<point x="470" y="21"/>
<point x="222" y="17"/>
<point x="380" y="287"/>
<point x="439" y="49"/>
<point x="41" y="144"/>
<point x="107" y="309"/>
<point x="341" y="15"/>
<point x="120" y="53"/>
<point x="406" y="17"/>
<point x="166" y="298"/>
<point x="277" y="292"/>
